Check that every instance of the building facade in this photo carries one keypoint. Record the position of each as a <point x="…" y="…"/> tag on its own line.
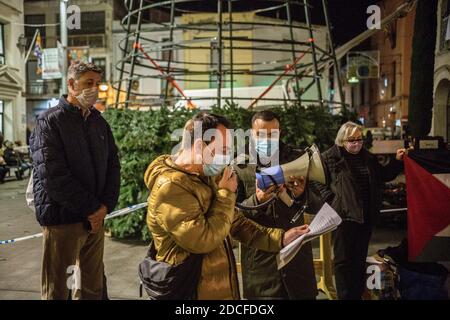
<point x="441" y="108"/>
<point x="92" y="41"/>
<point x="12" y="72"/>
<point x="390" y="93"/>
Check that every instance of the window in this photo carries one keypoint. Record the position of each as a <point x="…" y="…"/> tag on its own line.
<point x="165" y="52"/>
<point x="35" y="85"/>
<point x="393" y="34"/>
<point x="91" y="32"/>
<point x="92" y="22"/>
<point x="445" y="26"/>
<point x="34" y="19"/>
<point x="394" y="76"/>
<point x="100" y="62"/>
<point x="2" y="45"/>
<point x="1" y="117"/>
<point x="158" y="16"/>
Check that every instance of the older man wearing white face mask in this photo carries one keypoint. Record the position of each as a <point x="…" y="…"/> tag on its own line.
<point x="354" y="190"/>
<point x="76" y="181"/>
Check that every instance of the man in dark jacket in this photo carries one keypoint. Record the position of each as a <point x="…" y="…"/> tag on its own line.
<point x="261" y="277"/>
<point x="76" y="180"/>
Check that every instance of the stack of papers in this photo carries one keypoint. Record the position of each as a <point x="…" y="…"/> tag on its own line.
<point x="326" y="220"/>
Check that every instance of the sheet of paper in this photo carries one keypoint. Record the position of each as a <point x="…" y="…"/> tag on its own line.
<point x="326" y="220"/>
<point x="372" y="260"/>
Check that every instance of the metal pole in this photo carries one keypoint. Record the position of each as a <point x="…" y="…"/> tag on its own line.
<point x="172" y="20"/>
<point x="288" y="69"/>
<point x="219" y="51"/>
<point x="230" y="13"/>
<point x="291" y="31"/>
<point x="337" y="69"/>
<point x="124" y="53"/>
<point x="313" y="51"/>
<point x="168" y="77"/>
<point x="31" y="46"/>
<point x="63" y="32"/>
<point x="137" y="34"/>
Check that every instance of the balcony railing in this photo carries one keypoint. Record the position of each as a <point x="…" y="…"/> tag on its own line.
<point x="36" y="88"/>
<point x="91" y="40"/>
<point x="40" y="88"/>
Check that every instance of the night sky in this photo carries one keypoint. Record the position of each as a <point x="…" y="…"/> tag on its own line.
<point x="347" y="16"/>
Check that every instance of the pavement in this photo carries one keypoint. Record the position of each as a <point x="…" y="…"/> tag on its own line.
<point x="20" y="262"/>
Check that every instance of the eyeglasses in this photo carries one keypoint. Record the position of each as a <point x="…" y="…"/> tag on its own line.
<point x="354" y="140"/>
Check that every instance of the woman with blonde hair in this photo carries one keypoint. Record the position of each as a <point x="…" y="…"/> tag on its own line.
<point x="354" y="191"/>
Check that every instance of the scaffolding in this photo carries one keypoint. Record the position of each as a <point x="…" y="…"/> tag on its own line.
<point x="142" y="55"/>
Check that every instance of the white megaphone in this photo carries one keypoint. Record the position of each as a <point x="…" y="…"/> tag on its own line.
<point x="309" y="165"/>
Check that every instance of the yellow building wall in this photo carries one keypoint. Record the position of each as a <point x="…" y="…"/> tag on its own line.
<point x="240" y="56"/>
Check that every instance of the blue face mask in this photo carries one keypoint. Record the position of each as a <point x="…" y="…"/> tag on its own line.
<point x="266" y="147"/>
<point x="220" y="161"/>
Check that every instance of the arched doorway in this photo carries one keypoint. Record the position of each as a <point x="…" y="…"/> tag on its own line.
<point x="441" y="109"/>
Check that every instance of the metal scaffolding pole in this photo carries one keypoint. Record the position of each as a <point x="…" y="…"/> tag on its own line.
<point x="223" y="42"/>
<point x="219" y="52"/>
<point x="230" y="14"/>
<point x="172" y="21"/>
<point x="137" y="34"/>
<point x="291" y="32"/>
<point x="313" y="51"/>
<point x="124" y="53"/>
<point x="337" y="69"/>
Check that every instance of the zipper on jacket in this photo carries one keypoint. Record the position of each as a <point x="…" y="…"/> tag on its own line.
<point x="231" y="263"/>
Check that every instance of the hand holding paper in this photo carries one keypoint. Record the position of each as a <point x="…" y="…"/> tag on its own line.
<point x="326" y="220"/>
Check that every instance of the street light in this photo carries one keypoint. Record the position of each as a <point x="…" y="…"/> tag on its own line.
<point x="103" y="87"/>
<point x="353" y="80"/>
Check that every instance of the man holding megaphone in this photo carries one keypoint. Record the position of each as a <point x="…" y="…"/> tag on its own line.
<point x="276" y="199"/>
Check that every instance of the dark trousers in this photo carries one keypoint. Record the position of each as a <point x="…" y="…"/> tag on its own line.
<point x="351" y="242"/>
<point x="3" y="172"/>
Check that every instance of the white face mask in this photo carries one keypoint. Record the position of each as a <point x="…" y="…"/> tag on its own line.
<point x="220" y="161"/>
<point x="88" y="97"/>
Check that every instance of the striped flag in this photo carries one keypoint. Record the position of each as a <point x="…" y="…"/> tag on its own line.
<point x="37" y="52"/>
<point x="428" y="196"/>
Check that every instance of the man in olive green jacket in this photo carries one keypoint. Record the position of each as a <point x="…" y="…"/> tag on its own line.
<point x="261" y="278"/>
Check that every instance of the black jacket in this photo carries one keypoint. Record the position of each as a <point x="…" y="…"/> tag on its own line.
<point x="75" y="165"/>
<point x="261" y="277"/>
<point x="341" y="191"/>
